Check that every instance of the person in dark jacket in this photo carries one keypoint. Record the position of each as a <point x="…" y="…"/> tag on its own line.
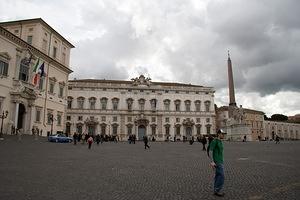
<point x="145" y="139"/>
<point x="75" y="138"/>
<point x="98" y="139"/>
<point x="204" y="142"/>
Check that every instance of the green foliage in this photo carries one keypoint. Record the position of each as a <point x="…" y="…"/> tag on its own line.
<point x="279" y="117"/>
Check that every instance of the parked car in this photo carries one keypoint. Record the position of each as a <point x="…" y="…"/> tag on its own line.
<point x="59" y="138"/>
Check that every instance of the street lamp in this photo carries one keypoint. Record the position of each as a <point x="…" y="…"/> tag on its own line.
<point x="51" y="119"/>
<point x="3" y="116"/>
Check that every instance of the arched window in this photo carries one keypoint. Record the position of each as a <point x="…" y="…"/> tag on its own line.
<point x="167" y="104"/>
<point x="198" y="105"/>
<point x="198" y="129"/>
<point x="187" y="105"/>
<point x="167" y="129"/>
<point x="24" y="69"/>
<point x="207" y="106"/>
<point x="70" y="100"/>
<point x="208" y="128"/>
<point x="129" y="129"/>
<point x="177" y="130"/>
<point x="115" y="102"/>
<point x="115" y="129"/>
<point x="177" y="105"/>
<point x="92" y="101"/>
<point x="80" y="102"/>
<point x="129" y="103"/>
<point x="153" y="104"/>
<point x="142" y="104"/>
<point x="79" y="128"/>
<point x="103" y="103"/>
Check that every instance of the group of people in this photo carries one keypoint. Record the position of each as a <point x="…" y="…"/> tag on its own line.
<point x="131" y="139"/>
<point x="83" y="138"/>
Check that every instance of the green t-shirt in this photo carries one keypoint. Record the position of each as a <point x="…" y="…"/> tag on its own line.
<point x="216" y="146"/>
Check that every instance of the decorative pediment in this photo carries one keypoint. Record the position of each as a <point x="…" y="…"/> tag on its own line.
<point x="188" y="122"/>
<point x="24" y="90"/>
<point x="5" y="55"/>
<point x="141" y="81"/>
<point x="62" y="83"/>
<point x="53" y="79"/>
<point x="129" y="125"/>
<point x="91" y="121"/>
<point x="79" y="124"/>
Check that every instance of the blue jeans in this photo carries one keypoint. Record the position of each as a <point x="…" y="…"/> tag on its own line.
<point x="219" y="178"/>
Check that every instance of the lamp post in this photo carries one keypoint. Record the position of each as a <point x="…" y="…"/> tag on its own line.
<point x="51" y="119"/>
<point x="3" y="116"/>
<point x="109" y="128"/>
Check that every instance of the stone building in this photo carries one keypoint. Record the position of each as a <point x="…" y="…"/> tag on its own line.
<point x="252" y="118"/>
<point x="285" y="130"/>
<point x="160" y="110"/>
<point x="34" y="70"/>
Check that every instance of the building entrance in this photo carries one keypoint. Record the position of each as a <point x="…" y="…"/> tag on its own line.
<point x="188" y="132"/>
<point x="91" y="129"/>
<point x="21" y="116"/>
<point x="141" y="132"/>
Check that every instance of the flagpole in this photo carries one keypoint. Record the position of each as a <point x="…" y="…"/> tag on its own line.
<point x="46" y="94"/>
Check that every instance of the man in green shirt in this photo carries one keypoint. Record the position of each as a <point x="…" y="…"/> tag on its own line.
<point x="216" y="146"/>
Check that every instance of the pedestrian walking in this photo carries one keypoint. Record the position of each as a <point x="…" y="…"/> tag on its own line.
<point x="145" y="139"/>
<point x="101" y="138"/>
<point x="217" y="160"/>
<point x="245" y="138"/>
<point x="90" y="141"/>
<point x="98" y="139"/>
<point x="204" y="142"/>
<point x="79" y="137"/>
<point x="192" y="140"/>
<point x="277" y="139"/>
<point x="75" y="138"/>
<point x="129" y="139"/>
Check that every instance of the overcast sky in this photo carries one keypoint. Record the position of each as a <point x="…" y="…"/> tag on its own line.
<point x="183" y="41"/>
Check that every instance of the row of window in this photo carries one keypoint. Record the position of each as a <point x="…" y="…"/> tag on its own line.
<point x="103" y="130"/>
<point x="24" y="76"/>
<point x="29" y="40"/>
<point x="141" y="91"/>
<point x="141" y="103"/>
<point x="51" y="119"/>
<point x="129" y="119"/>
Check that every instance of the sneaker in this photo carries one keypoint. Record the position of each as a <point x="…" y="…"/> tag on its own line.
<point x="219" y="194"/>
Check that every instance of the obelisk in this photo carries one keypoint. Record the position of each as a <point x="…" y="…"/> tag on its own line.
<point x="230" y="82"/>
<point x="232" y="104"/>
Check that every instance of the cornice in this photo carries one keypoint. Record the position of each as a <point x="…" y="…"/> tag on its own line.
<point x="5" y="33"/>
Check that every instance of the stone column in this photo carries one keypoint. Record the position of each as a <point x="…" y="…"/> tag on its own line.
<point x="16" y="114"/>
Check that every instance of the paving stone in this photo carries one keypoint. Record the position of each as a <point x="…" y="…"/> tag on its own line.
<point x="37" y="169"/>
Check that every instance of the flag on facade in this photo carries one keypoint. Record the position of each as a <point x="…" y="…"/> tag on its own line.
<point x="36" y="66"/>
<point x="35" y="79"/>
<point x="42" y="70"/>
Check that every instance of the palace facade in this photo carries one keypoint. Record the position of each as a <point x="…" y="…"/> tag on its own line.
<point x="160" y="110"/>
<point x="34" y="70"/>
<point x="285" y="130"/>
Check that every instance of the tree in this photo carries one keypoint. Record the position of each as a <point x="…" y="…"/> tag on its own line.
<point x="266" y="117"/>
<point x="279" y="117"/>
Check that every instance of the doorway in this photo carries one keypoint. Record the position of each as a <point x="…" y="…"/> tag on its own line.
<point x="21" y="116"/>
<point x="188" y="132"/>
<point x="141" y="132"/>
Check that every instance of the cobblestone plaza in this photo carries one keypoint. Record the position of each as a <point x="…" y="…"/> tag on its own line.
<point x="37" y="169"/>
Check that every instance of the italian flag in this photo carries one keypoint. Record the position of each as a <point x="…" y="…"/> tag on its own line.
<point x="36" y="76"/>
